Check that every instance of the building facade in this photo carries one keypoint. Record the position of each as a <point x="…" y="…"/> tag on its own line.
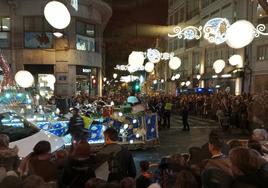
<point x="198" y="56"/>
<point x="28" y="43"/>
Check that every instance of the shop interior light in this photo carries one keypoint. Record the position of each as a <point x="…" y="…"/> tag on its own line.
<point x="115" y="75"/>
<point x="226" y="75"/>
<point x="162" y="80"/>
<point x="198" y="77"/>
<point x="188" y="83"/>
<point x="57" y="14"/>
<point x="235" y="60"/>
<point x="149" y="67"/>
<point x="217" y="86"/>
<point x="183" y="84"/>
<point x="155" y="82"/>
<point x="218" y="65"/>
<point x="104" y="79"/>
<point x="58" y="34"/>
<point x="173" y="78"/>
<point x="215" y="76"/>
<point x="177" y="76"/>
<point x="174" y="63"/>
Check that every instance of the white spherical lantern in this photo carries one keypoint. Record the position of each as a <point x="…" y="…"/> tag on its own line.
<point x="173" y="78"/>
<point x="187" y="83"/>
<point x="136" y="59"/>
<point x="235" y="60"/>
<point x="174" y="63"/>
<point x="183" y="84"/>
<point x="218" y="65"/>
<point x="24" y="79"/>
<point x="240" y="34"/>
<point x="149" y="67"/>
<point x="198" y="77"/>
<point x="57" y="14"/>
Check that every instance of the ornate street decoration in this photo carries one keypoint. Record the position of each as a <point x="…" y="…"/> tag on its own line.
<point x="215" y="30"/>
<point x="153" y="55"/>
<point x="189" y="33"/>
<point x="260" y="30"/>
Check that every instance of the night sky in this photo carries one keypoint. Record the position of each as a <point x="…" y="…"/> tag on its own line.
<point x="134" y="25"/>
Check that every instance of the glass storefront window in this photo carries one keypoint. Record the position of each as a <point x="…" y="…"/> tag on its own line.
<point x="85" y="38"/>
<point x="4" y="32"/>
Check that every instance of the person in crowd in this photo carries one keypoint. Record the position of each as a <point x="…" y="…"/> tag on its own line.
<point x="94" y="183"/>
<point x="128" y="182"/>
<point x="167" y="113"/>
<point x="120" y="160"/>
<point x="185" y="112"/>
<point x="160" y="111"/>
<point x="234" y="144"/>
<point x="185" y="179"/>
<point x="218" y="160"/>
<point x="8" y="156"/>
<point x="80" y="166"/>
<point x="261" y="136"/>
<point x="154" y="185"/>
<point x="145" y="179"/>
<point x="11" y="182"/>
<point x="40" y="163"/>
<point x="249" y="168"/>
<point x="34" y="181"/>
<point x="76" y="126"/>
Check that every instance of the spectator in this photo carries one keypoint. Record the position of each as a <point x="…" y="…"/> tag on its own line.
<point x="8" y="156"/>
<point x="34" y="181"/>
<point x="234" y="144"/>
<point x="145" y="179"/>
<point x="120" y="160"/>
<point x="185" y="179"/>
<point x="39" y="163"/>
<point x="249" y="167"/>
<point x="80" y="166"/>
<point x="154" y="185"/>
<point x="261" y="136"/>
<point x="128" y="182"/>
<point x="11" y="182"/>
<point x="94" y="183"/>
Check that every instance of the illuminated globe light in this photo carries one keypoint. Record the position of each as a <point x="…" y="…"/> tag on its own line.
<point x="173" y="78"/>
<point x="114" y="75"/>
<point x="174" y="63"/>
<point x="235" y="60"/>
<point x="155" y="81"/>
<point x="136" y="59"/>
<point x="218" y="65"/>
<point x="198" y="77"/>
<point x="125" y="126"/>
<point x="149" y="67"/>
<point x="57" y="14"/>
<point x="24" y="79"/>
<point x="153" y="55"/>
<point x="187" y="83"/>
<point x="183" y="84"/>
<point x="240" y="34"/>
<point x="177" y="76"/>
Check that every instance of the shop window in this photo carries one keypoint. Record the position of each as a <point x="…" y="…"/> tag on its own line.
<point x="262" y="53"/>
<point x="4" y="32"/>
<point x="37" y="33"/>
<point x="85" y="36"/>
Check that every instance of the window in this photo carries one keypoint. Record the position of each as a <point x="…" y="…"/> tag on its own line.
<point x="37" y="32"/>
<point x="176" y="17"/>
<point x="192" y="8"/>
<point x="4" y="32"/>
<point x="204" y="3"/>
<point x="85" y="36"/>
<point x="181" y="17"/>
<point x="262" y="53"/>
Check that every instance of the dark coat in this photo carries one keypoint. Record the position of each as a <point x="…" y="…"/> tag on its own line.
<point x="9" y="158"/>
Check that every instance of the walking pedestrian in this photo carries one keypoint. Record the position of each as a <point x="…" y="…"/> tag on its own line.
<point x="185" y="112"/>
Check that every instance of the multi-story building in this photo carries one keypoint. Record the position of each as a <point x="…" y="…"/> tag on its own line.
<point x="28" y="43"/>
<point x="198" y="56"/>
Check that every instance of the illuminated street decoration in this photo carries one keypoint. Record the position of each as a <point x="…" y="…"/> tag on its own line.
<point x="189" y="33"/>
<point x="24" y="79"/>
<point x="235" y="60"/>
<point x="174" y="63"/>
<point x="153" y="55"/>
<point x="149" y="67"/>
<point x="218" y="65"/>
<point x="74" y="4"/>
<point x="215" y="30"/>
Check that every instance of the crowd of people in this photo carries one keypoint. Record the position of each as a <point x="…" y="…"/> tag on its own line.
<point x="215" y="164"/>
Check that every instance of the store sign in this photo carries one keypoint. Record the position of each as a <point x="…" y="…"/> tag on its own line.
<point x="83" y="70"/>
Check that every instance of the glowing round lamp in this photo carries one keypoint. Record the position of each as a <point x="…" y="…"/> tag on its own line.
<point x="187" y="83"/>
<point x="104" y="79"/>
<point x="114" y="75"/>
<point x="183" y="84"/>
<point x="235" y="60"/>
<point x="51" y="78"/>
<point x="198" y="77"/>
<point x="136" y="59"/>
<point x="57" y="14"/>
<point x="58" y="34"/>
<point x="149" y="67"/>
<point x="177" y="76"/>
<point x="218" y="65"/>
<point x="240" y="34"/>
<point x="24" y="79"/>
<point x="174" y="63"/>
<point x="155" y="81"/>
<point x="173" y="78"/>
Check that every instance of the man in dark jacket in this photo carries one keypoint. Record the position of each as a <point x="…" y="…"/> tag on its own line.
<point x="120" y="160"/>
<point x="76" y="126"/>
